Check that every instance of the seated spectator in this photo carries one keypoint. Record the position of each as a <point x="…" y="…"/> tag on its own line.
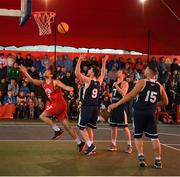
<point x="21" y="105"/>
<point x="24" y="88"/>
<point x="9" y="98"/>
<point x="14" y="72"/>
<point x="45" y="61"/>
<point x="14" y="87"/>
<point x="114" y="63"/>
<point x="19" y="59"/>
<point x="40" y="106"/>
<point x="3" y="60"/>
<point x="3" y="87"/>
<point x="8" y="109"/>
<point x="60" y="61"/>
<point x="139" y="65"/>
<point x="31" y="106"/>
<point x="3" y="71"/>
<point x="1" y="98"/>
<point x="37" y="64"/>
<point x="28" y="61"/>
<point x="10" y="60"/>
<point x="112" y="76"/>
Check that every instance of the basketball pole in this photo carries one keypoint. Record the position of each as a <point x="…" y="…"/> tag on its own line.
<point x="148" y="51"/>
<point x="55" y="46"/>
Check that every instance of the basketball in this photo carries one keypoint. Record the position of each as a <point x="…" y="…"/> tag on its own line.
<point x="63" y="27"/>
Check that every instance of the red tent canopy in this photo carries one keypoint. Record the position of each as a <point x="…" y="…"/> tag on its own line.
<point x="118" y="24"/>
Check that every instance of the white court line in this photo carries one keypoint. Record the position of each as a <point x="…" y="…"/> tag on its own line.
<point x="96" y="141"/>
<point x="171" y="147"/>
<point x="100" y="128"/>
<point x="173" y="144"/>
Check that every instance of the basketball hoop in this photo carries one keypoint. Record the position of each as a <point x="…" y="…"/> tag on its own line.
<point x="44" y="20"/>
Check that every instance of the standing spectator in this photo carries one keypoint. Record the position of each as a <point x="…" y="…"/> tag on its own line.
<point x="163" y="77"/>
<point x="31" y="106"/>
<point x="174" y="65"/>
<point x="14" y="87"/>
<point x="9" y="98"/>
<point x="162" y="65"/>
<point x="28" y="61"/>
<point x="19" y="59"/>
<point x="10" y="60"/>
<point x="112" y="76"/>
<point x="94" y="62"/>
<point x="153" y="62"/>
<point x="33" y="73"/>
<point x="114" y="62"/>
<point x="139" y="65"/>
<point x="68" y="64"/>
<point x="3" y="71"/>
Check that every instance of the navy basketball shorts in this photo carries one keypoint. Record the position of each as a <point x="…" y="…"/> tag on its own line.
<point x="145" y="122"/>
<point x="118" y="117"/>
<point x="88" y="117"/>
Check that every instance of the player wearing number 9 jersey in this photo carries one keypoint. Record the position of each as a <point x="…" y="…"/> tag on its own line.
<point x="90" y="101"/>
<point x="150" y="93"/>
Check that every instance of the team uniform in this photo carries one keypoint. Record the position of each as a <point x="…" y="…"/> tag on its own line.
<point x="144" y="110"/>
<point x="90" y="105"/>
<point x="57" y="105"/>
<point x="118" y="116"/>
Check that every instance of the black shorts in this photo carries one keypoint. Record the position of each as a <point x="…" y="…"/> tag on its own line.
<point x="88" y="117"/>
<point x="145" y="122"/>
<point x="118" y="117"/>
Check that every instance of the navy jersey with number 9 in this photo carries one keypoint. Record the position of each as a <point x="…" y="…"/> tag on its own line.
<point x="91" y="94"/>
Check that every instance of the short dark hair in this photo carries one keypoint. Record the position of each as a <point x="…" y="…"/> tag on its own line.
<point x="153" y="68"/>
<point x="95" y="70"/>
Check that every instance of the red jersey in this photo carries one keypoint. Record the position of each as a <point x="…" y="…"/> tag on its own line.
<point x="54" y="94"/>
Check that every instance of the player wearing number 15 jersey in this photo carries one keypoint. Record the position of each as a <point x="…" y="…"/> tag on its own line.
<point x="149" y="93"/>
<point x="90" y="101"/>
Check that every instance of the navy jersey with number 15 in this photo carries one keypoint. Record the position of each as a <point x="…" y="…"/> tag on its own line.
<point x="91" y="94"/>
<point x="148" y="97"/>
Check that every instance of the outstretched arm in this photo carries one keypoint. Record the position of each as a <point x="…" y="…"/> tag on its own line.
<point x="103" y="69"/>
<point x="138" y="87"/>
<point x="63" y="86"/>
<point x="34" y="81"/>
<point x="78" y="73"/>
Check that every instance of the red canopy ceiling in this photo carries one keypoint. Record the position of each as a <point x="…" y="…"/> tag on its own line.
<point x="118" y="24"/>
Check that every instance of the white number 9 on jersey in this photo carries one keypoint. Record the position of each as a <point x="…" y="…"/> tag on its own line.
<point x="94" y="93"/>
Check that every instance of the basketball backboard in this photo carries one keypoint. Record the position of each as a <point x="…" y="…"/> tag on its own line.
<point x="24" y="12"/>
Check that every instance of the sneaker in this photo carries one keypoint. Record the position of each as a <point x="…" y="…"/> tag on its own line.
<point x="142" y="162"/>
<point x="57" y="134"/>
<point x="129" y="149"/>
<point x="112" y="148"/>
<point x="158" y="164"/>
<point x="81" y="146"/>
<point x="90" y="150"/>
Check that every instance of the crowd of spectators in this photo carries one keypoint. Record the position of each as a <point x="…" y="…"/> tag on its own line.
<point x="30" y="99"/>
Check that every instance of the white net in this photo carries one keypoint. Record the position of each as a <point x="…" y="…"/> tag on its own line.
<point x="44" y="20"/>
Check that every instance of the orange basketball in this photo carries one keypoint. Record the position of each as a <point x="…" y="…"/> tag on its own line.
<point x="63" y="27"/>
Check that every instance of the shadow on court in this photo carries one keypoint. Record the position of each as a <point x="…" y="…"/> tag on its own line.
<point x="56" y="158"/>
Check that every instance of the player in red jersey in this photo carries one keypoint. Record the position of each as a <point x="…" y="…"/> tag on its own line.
<point x="57" y="106"/>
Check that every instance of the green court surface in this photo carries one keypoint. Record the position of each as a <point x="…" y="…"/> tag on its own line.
<point x="60" y="158"/>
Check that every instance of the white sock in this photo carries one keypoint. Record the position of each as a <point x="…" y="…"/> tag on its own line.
<point x="140" y="154"/>
<point x="114" y="142"/>
<point x="55" y="127"/>
<point x="88" y="143"/>
<point x="129" y="143"/>
<point x="158" y="158"/>
<point x="78" y="141"/>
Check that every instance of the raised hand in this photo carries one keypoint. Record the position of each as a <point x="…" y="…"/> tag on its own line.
<point x="82" y="57"/>
<point x="104" y="59"/>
